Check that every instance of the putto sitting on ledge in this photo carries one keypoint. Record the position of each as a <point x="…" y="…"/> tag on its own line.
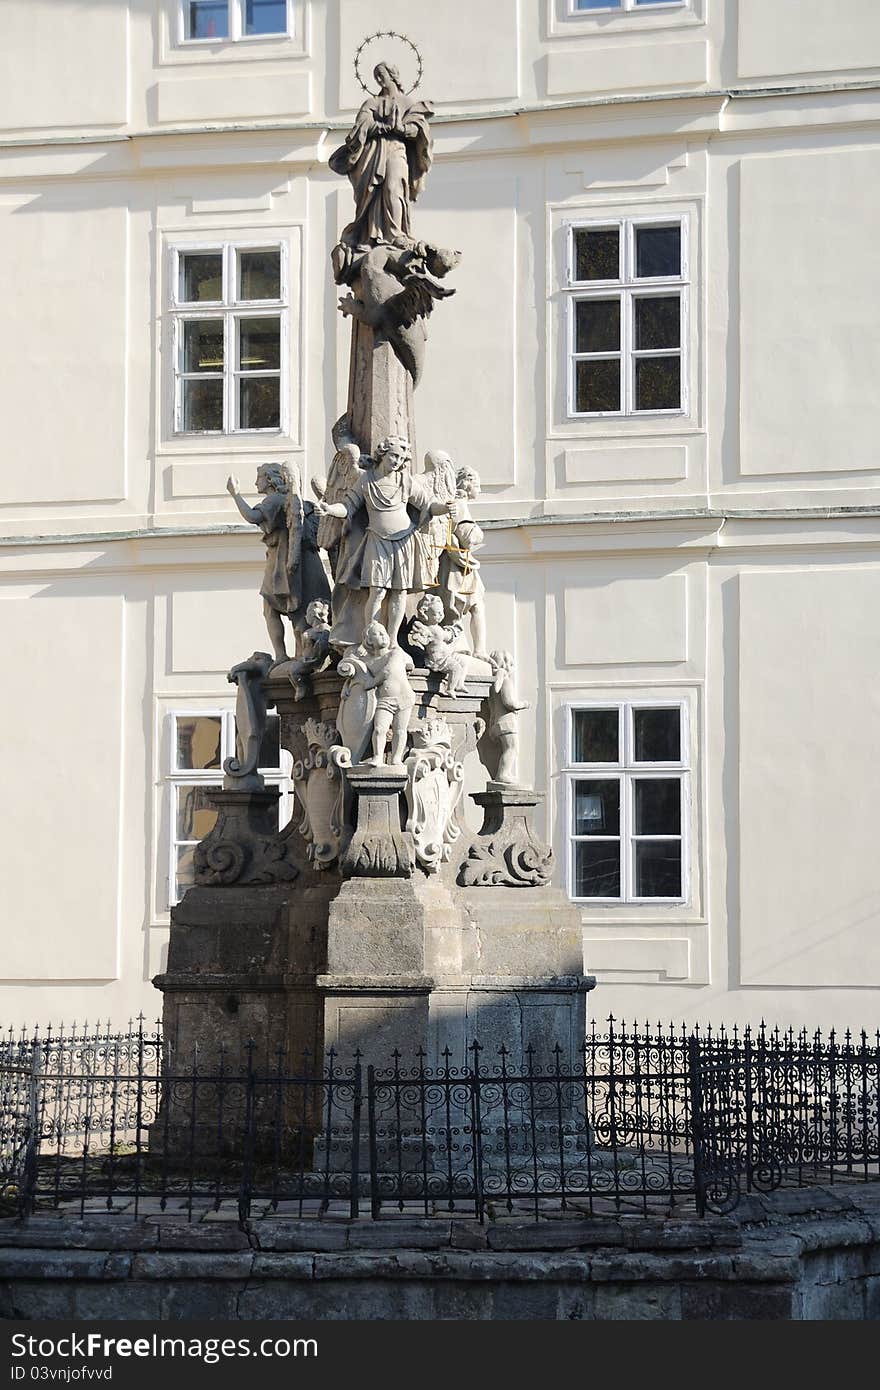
<point x="378" y="917"/>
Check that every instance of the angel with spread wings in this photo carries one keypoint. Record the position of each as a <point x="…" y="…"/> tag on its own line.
<point x="395" y="291"/>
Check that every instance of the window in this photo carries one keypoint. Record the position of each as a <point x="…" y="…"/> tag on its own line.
<point x="627" y="317"/>
<point x="212" y="21"/>
<point x="627" y="803"/>
<point x="200" y="744"/>
<point x="230" y="339"/>
<point x="626" y="6"/>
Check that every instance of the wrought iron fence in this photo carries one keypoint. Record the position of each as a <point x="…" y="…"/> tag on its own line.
<point x="643" y="1117"/>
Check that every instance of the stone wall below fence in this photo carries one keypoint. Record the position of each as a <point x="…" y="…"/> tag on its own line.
<point x="799" y="1254"/>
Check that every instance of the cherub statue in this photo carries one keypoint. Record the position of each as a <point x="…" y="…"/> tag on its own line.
<point x="427" y="634"/>
<point x="294" y="574"/>
<point x="395" y="292"/>
<point x="500" y="742"/>
<point x="387" y="561"/>
<point x="463" y="590"/>
<point x="381" y="666"/>
<point x="316" y="650"/>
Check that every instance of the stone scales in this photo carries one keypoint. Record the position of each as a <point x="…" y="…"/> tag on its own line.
<point x="376" y="920"/>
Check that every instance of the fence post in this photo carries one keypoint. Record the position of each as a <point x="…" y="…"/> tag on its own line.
<point x="375" y="1200"/>
<point x="28" y="1191"/>
<point x="354" y="1208"/>
<point x="697" y="1127"/>
<point x="479" y="1205"/>
<point x="246" y="1188"/>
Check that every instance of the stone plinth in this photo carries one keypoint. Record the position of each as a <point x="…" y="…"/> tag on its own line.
<point x="379" y="847"/>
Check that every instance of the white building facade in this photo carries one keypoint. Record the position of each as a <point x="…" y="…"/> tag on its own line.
<point x="662" y="357"/>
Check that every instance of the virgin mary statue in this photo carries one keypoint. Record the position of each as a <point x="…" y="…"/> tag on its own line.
<point x="386" y="155"/>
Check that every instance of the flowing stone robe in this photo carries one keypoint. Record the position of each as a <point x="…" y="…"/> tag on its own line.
<point x="388" y="555"/>
<point x="386" y="170"/>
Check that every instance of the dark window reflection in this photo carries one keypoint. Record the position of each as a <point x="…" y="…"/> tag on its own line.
<point x="658" y="806"/>
<point x="657" y="735"/>
<point x="597" y="807"/>
<point x="597" y="869"/>
<point x="658" y="252"/>
<point x="597" y="386"/>
<point x="597" y="253"/>
<point x="658" y="869"/>
<point x="595" y="736"/>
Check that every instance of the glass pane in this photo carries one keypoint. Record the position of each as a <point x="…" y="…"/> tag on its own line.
<point x="259" y="344"/>
<point x="658" y="251"/>
<point x="657" y="735"/>
<point x="597" y="325"/>
<point x="185" y="875"/>
<point x="597" y="807"/>
<point x="658" y="383"/>
<point x="597" y="869"/>
<point x="195" y="815"/>
<point x="201" y="276"/>
<point x="595" y="736"/>
<point x="265" y="17"/>
<point x="201" y="345"/>
<point x="597" y="386"/>
<point x="597" y="253"/>
<point x="259" y="274"/>
<point x="659" y="2"/>
<point x="203" y="404"/>
<point x="207" y="19"/>
<point x="198" y="741"/>
<point x="658" y="869"/>
<point x="270" y="748"/>
<point x="658" y="322"/>
<point x="597" y="4"/>
<point x="260" y="403"/>
<point x="658" y="806"/>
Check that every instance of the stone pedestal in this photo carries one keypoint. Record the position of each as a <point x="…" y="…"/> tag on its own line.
<point x="379" y="847"/>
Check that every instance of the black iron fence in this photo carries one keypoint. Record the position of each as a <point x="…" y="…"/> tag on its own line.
<point x="642" y="1119"/>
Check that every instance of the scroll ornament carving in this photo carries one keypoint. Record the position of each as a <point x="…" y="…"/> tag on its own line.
<point x="244" y="846"/>
<point x="320" y="791"/>
<point x="435" y="779"/>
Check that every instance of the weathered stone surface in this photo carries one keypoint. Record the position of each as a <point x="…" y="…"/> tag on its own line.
<point x="185" y="1265"/>
<point x="203" y="1236"/>
<point x="725" y="1302"/>
<point x="396" y="1234"/>
<point x="634" y="1302"/>
<point x="53" y="1264"/>
<point x="274" y="1265"/>
<point x="555" y="1235"/>
<point x="298" y="1235"/>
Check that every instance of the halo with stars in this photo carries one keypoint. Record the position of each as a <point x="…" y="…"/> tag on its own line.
<point x="409" y="48"/>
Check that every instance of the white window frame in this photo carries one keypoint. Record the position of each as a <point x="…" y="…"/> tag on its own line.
<point x="626" y="771"/>
<point x="178" y="777"/>
<point x="628" y="288"/>
<point x="236" y="27"/>
<point x="230" y="309"/>
<point x="626" y="7"/>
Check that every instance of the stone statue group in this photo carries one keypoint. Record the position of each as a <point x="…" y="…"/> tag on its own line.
<point x="392" y="539"/>
<point x="401" y="587"/>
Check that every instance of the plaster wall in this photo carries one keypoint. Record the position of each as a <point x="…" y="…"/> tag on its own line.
<point x="726" y="557"/>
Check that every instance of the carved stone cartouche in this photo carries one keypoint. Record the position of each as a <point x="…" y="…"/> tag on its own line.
<point x="320" y="789"/>
<point x="435" y="779"/>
